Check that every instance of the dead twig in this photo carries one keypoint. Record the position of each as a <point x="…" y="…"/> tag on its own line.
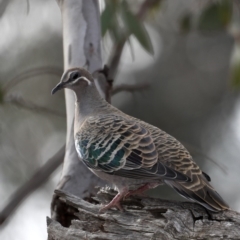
<point x="130" y="88"/>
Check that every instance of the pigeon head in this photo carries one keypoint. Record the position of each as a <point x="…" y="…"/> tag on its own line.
<point x="73" y="79"/>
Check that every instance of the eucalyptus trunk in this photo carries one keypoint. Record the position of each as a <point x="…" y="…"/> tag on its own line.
<point x="82" y="48"/>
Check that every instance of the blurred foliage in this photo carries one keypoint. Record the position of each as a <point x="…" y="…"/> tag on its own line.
<point x="108" y="16"/>
<point x="136" y="27"/>
<point x="153" y="10"/>
<point x="121" y="22"/>
<point x="118" y="19"/>
<point x="217" y="15"/>
<point x="235" y="78"/>
<point x="186" y="22"/>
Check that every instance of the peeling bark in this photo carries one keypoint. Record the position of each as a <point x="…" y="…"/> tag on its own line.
<point x="143" y="218"/>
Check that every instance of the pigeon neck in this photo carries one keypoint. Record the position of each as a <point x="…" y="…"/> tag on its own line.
<point x="89" y="103"/>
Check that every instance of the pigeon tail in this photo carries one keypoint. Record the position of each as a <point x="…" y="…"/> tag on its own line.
<point x="204" y="195"/>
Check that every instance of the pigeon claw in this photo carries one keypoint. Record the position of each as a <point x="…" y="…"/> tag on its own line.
<point x="140" y="191"/>
<point x="115" y="203"/>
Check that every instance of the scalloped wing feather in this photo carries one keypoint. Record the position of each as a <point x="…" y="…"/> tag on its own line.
<point x="174" y="155"/>
<point x="122" y="147"/>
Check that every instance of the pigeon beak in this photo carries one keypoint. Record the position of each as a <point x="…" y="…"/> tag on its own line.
<point x="58" y="87"/>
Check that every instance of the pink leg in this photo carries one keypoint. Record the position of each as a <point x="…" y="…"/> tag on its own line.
<point x="115" y="202"/>
<point x="141" y="189"/>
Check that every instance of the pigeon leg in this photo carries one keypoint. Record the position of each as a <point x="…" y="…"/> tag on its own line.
<point x="141" y="189"/>
<point x="115" y="202"/>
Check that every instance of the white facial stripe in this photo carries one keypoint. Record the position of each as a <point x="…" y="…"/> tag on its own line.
<point x="87" y="80"/>
<point x="84" y="78"/>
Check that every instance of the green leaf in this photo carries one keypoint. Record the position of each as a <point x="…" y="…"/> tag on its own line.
<point x="107" y="16"/>
<point x="236" y="76"/>
<point x="116" y="31"/>
<point x="136" y="27"/>
<point x="216" y="16"/>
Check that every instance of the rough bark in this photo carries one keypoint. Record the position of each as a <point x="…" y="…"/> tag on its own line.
<point x="143" y="218"/>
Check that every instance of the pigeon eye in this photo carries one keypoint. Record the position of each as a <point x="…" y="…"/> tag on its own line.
<point x="75" y="75"/>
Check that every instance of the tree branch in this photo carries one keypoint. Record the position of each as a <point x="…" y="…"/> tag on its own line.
<point x="29" y="74"/>
<point x="32" y="184"/>
<point x="130" y="88"/>
<point x="144" y="219"/>
<point x="21" y="102"/>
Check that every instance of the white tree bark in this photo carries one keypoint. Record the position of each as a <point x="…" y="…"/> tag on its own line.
<point x="82" y="48"/>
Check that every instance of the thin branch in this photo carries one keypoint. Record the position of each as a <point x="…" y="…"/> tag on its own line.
<point x="105" y="84"/>
<point x="23" y="103"/>
<point x="31" y="73"/>
<point x="41" y="176"/>
<point x="114" y="58"/>
<point x="130" y="88"/>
